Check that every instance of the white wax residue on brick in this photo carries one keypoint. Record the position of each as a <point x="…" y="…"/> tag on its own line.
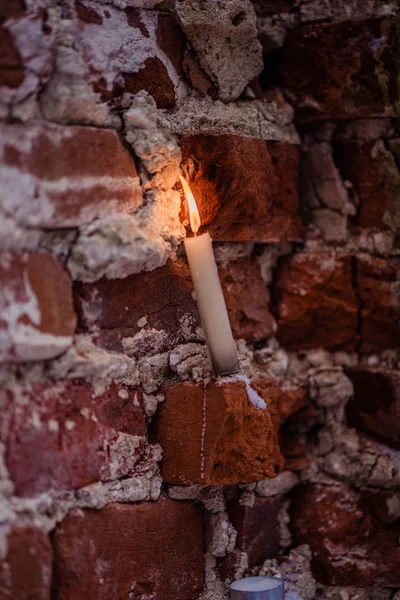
<point x="252" y="395"/>
<point x="256" y="584"/>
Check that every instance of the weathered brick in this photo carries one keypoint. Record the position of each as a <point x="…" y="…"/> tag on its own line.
<point x="37" y="318"/>
<point x="342" y="70"/>
<point x="282" y="404"/>
<point x="130" y="551"/>
<point x="268" y="7"/>
<point x="156" y="64"/>
<point x="171" y="40"/>
<point x="238" y="203"/>
<point x="24" y="67"/>
<point x="11" y="69"/>
<point x="11" y="8"/>
<point x="378" y="289"/>
<point x="349" y="546"/>
<point x="337" y="302"/>
<point x="55" y="176"/>
<point x="383" y="505"/>
<point x="257" y="527"/>
<point x="25" y="572"/>
<point x="247" y="300"/>
<point x="63" y="437"/>
<point x="371" y="169"/>
<point x="163" y="297"/>
<point x="213" y="434"/>
<point x="315" y="302"/>
<point x="374" y="408"/>
<point x="197" y="77"/>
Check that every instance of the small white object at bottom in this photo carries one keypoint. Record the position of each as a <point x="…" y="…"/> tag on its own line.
<point x="258" y="588"/>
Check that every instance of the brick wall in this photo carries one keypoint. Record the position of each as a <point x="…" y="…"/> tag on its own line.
<point x="126" y="470"/>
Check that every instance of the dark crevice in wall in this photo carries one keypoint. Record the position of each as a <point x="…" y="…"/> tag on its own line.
<point x="361" y="304"/>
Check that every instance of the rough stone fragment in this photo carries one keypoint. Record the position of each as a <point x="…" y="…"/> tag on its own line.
<point x="221" y="535"/>
<point x="257" y="527"/>
<point x="378" y="289"/>
<point x="356" y="71"/>
<point x="374" y="408"/>
<point x="372" y="171"/>
<point x="271" y="119"/>
<point x="224" y="37"/>
<point x="37" y="319"/>
<point x="315" y="302"/>
<point x="54" y="176"/>
<point x="247" y="299"/>
<point x="315" y="10"/>
<point x="242" y="204"/>
<point x="349" y="546"/>
<point x="61" y="437"/>
<point x="25" y="572"/>
<point x="213" y="434"/>
<point x="282" y="484"/>
<point x="138" y="306"/>
<point x="121" y="551"/>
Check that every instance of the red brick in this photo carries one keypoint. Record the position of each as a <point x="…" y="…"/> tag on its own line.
<point x="383" y="505"/>
<point x="230" y="565"/>
<point x="349" y="547"/>
<point x="134" y="18"/>
<point x="282" y="404"/>
<point x="268" y="7"/>
<point x="155" y="79"/>
<point x="87" y="14"/>
<point x="62" y="437"/>
<point x="374" y="408"/>
<point x="315" y="302"/>
<point x="155" y="66"/>
<point x="37" y="318"/>
<point x="25" y="573"/>
<point x="213" y="435"/>
<point x="376" y="182"/>
<point x="238" y="203"/>
<point x="377" y="280"/>
<point x="171" y="40"/>
<point x="24" y="67"/>
<point x="341" y="70"/>
<point x="11" y="8"/>
<point x="197" y="77"/>
<point x="151" y="550"/>
<point x="257" y="527"/>
<point x="154" y="75"/>
<point x="65" y="176"/>
<point x="11" y="70"/>
<point x="247" y="299"/>
<point x="115" y="306"/>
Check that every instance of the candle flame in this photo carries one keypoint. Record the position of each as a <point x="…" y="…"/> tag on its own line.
<point x="194" y="215"/>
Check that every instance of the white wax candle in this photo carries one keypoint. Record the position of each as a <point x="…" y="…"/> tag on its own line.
<point x="258" y="588"/>
<point x="211" y="303"/>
